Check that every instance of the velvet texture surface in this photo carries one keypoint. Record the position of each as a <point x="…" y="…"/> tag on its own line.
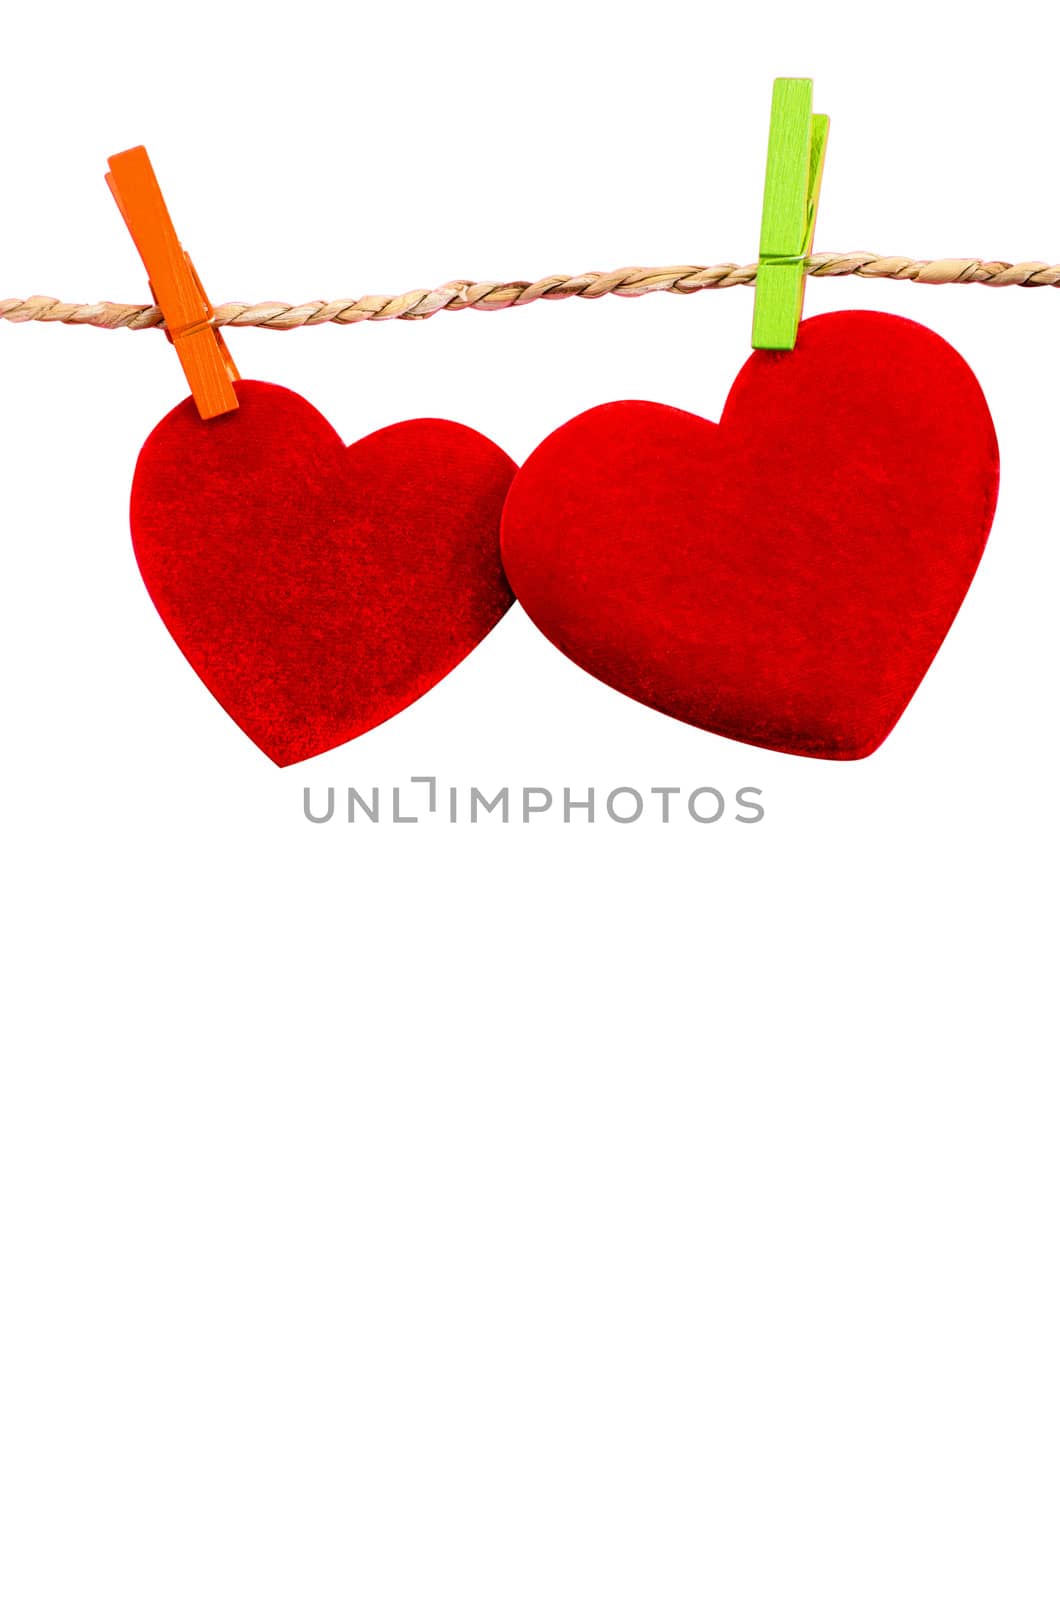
<point x="316" y="589"/>
<point x="786" y="576"/>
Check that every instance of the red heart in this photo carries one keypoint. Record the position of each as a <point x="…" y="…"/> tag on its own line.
<point x="316" y="589"/>
<point x="785" y="576"/>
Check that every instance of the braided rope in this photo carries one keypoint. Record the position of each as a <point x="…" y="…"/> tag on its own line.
<point x="461" y="295"/>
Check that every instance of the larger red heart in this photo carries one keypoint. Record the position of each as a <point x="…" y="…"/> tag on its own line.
<point x="785" y="576"/>
<point x="316" y="589"/>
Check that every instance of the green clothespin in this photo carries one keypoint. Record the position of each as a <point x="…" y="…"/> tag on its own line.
<point x="794" y="164"/>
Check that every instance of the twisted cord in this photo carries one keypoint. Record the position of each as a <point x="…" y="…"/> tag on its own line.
<point x="462" y="295"/>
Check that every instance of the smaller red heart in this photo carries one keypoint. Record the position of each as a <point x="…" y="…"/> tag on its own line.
<point x="316" y="589"/>
<point x="786" y="576"/>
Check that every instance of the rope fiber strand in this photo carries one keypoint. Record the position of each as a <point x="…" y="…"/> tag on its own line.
<point x="460" y="295"/>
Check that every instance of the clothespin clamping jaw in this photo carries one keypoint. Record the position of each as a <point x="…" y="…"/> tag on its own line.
<point x="174" y="283"/>
<point x="794" y="164"/>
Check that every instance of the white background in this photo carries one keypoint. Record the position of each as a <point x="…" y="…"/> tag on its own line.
<point x="542" y="1211"/>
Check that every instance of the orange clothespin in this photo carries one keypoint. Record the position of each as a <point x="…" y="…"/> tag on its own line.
<point x="174" y="283"/>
